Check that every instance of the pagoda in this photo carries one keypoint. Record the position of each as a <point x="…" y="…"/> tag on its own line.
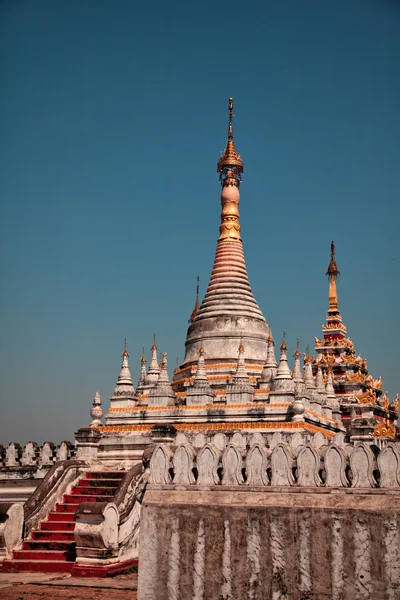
<point x="365" y="410"/>
<point x="229" y="380"/>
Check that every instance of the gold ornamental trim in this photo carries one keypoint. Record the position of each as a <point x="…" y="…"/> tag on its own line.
<point x="356" y="377"/>
<point x="386" y="429"/>
<point x="219" y="427"/>
<point x="368" y="397"/>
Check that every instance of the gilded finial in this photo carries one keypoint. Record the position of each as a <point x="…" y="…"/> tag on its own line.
<point x="241" y="347"/>
<point x="201" y="349"/>
<point x="333" y="270"/>
<point x="283" y="345"/>
<point x="125" y="352"/>
<point x="333" y="273"/>
<point x="154" y="346"/>
<point x="143" y="359"/>
<point x="297" y="352"/>
<point x="230" y="159"/>
<point x="176" y="370"/>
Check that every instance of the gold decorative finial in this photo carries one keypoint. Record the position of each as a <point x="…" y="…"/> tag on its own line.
<point x="201" y="349"/>
<point x="283" y="345"/>
<point x="333" y="273"/>
<point x="196" y="304"/>
<point x="297" y="352"/>
<point x="176" y="370"/>
<point x="154" y="346"/>
<point x="230" y="158"/>
<point x="125" y="352"/>
<point x="241" y="347"/>
<point x="143" y="359"/>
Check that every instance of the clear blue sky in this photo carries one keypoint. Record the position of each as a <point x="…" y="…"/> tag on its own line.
<point x="112" y="117"/>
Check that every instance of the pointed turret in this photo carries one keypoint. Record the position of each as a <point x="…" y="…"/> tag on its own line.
<point x="282" y="387"/>
<point x="124" y="393"/>
<point x="308" y="374"/>
<point x="240" y="390"/>
<point x="162" y="393"/>
<point x="96" y="413"/>
<point x="228" y="307"/>
<point x="319" y="382"/>
<point x="297" y="374"/>
<point x="269" y="370"/>
<point x="283" y="371"/>
<point x="142" y="379"/>
<point x="200" y="391"/>
<point x="241" y="376"/>
<point x="154" y="369"/>
<point x="196" y="304"/>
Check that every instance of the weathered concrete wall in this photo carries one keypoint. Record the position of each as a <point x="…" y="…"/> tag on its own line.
<point x="287" y="544"/>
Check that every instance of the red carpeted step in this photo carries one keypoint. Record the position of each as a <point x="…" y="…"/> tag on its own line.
<point x="106" y="475"/>
<point x="71" y="499"/>
<point x="41" y="566"/>
<point x="44" y="555"/>
<point x="105" y="483"/>
<point x="91" y="491"/>
<point x="66" y="507"/>
<point x="62" y="516"/>
<point x="57" y="525"/>
<point x="53" y="536"/>
<point x="61" y="545"/>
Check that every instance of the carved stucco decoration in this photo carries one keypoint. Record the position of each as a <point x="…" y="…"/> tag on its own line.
<point x="208" y="460"/>
<point x="183" y="463"/>
<point x="160" y="464"/>
<point x="256" y="465"/>
<point x="335" y="461"/>
<point x="389" y="467"/>
<point x="308" y="466"/>
<point x="281" y="466"/>
<point x="362" y="464"/>
<point x="232" y="464"/>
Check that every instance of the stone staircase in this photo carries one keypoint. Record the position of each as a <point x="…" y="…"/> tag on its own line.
<point x="51" y="548"/>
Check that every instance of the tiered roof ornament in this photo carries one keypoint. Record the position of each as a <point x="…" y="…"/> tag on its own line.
<point x="154" y="369"/>
<point x="124" y="393"/>
<point x="162" y="393"/>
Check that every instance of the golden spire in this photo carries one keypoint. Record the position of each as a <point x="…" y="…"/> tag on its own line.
<point x="230" y="158"/>
<point x="154" y="346"/>
<point x="143" y="359"/>
<point x="196" y="304"/>
<point x="333" y="273"/>
<point x="125" y="352"/>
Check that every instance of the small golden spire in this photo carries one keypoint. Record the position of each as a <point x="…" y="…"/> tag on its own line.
<point x="154" y="346"/>
<point x="201" y="349"/>
<point x="297" y="352"/>
<point x="241" y="347"/>
<point x="230" y="158"/>
<point x="283" y="345"/>
<point x="143" y="359"/>
<point x="333" y="273"/>
<point x="176" y="370"/>
<point x="125" y="352"/>
<point x="196" y="304"/>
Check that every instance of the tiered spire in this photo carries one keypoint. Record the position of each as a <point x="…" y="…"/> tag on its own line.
<point x="297" y="374"/>
<point x="270" y="366"/>
<point x="241" y="375"/>
<point x="123" y="391"/>
<point x="154" y="369"/>
<point x="229" y="291"/>
<point x="200" y="391"/>
<point x="283" y="371"/>
<point x="333" y="273"/>
<point x="142" y="378"/>
<point x="162" y="393"/>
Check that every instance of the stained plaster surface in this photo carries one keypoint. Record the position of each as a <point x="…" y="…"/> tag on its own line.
<point x="276" y="545"/>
